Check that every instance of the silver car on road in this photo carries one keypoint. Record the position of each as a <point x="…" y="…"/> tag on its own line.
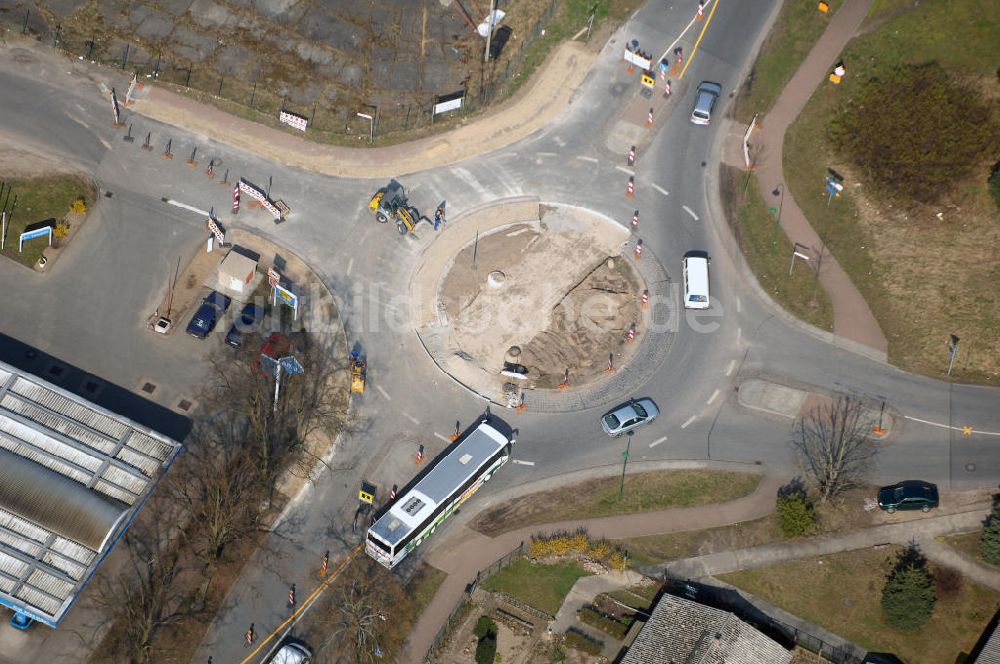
<point x="629" y="416"/>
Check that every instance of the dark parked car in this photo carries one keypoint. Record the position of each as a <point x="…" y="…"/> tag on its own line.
<point x="250" y="317"/>
<point x="500" y="38"/>
<point x="629" y="416"/>
<point x="908" y="495"/>
<point x="208" y="314"/>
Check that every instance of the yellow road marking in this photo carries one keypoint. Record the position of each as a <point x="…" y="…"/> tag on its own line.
<point x="320" y="588"/>
<point x="702" y="34"/>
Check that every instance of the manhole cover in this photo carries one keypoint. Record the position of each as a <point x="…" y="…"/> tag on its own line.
<point x="496" y="279"/>
<point x="184" y="405"/>
<point x="148" y="388"/>
<point x="970" y="467"/>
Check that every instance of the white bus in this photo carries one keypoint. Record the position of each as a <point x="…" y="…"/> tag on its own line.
<point x="446" y="484"/>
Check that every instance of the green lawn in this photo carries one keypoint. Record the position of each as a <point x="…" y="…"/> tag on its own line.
<point x="644" y="492"/>
<point x="921" y="276"/>
<point x="39" y="199"/>
<point x="842" y="593"/>
<point x="768" y="251"/>
<point x="542" y="586"/>
<point x="424" y="586"/>
<point x="795" y="32"/>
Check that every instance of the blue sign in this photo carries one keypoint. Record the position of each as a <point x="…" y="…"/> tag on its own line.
<point x="31" y="235"/>
<point x="288" y="298"/>
<point x="291" y="366"/>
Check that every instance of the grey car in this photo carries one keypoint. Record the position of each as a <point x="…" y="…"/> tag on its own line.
<point x="629" y="416"/>
<point x="704" y="101"/>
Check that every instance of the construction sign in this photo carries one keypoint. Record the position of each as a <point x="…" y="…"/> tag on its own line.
<point x="216" y="230"/>
<point x="636" y="57"/>
<point x="648" y="80"/>
<point x="258" y="194"/>
<point x="293" y="120"/>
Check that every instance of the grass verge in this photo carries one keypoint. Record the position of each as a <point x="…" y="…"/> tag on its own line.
<point x="968" y="544"/>
<point x="767" y="250"/>
<point x="644" y="492"/>
<point x="798" y="26"/>
<point x="39" y="199"/>
<point x="922" y="275"/>
<point x="542" y="586"/>
<point x="852" y="582"/>
<point x="423" y="586"/>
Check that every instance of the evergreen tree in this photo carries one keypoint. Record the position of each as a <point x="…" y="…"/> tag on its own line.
<point x="989" y="542"/>
<point x="908" y="597"/>
<point x="796" y="516"/>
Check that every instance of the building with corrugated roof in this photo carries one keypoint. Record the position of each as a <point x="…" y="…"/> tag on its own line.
<point x="72" y="478"/>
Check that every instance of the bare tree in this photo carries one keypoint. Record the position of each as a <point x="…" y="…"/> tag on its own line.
<point x="142" y="597"/>
<point x="362" y="620"/>
<point x="833" y="446"/>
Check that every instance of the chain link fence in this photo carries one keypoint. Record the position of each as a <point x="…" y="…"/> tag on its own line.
<point x="253" y="100"/>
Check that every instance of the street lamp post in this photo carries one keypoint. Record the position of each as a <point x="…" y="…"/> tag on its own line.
<point x="371" y="126"/>
<point x="625" y="456"/>
<point x="954" y="352"/>
<point x="778" y="191"/>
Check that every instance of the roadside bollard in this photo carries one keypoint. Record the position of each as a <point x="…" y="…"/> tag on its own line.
<point x="630" y="187"/>
<point x="631" y="156"/>
<point x="635" y="220"/>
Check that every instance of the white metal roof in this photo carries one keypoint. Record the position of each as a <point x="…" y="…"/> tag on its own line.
<point x="72" y="475"/>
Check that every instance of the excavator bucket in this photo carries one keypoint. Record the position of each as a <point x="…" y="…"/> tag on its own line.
<point x="376" y="199"/>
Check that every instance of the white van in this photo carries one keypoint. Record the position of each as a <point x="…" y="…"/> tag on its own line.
<point x="292" y="653"/>
<point x="696" y="280"/>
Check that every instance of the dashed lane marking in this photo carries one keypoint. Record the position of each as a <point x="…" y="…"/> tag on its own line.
<point x="661" y="190"/>
<point x="442" y="437"/>
<point x="547" y="154"/>
<point x="626" y="171"/>
<point x="656" y="442"/>
<point x="350" y="266"/>
<point x="383" y="392"/>
<point x="592" y="160"/>
<point x="410" y="417"/>
<point x="713" y="397"/>
<point x="739" y="306"/>
<point x="690" y="420"/>
<point x="690" y="212"/>
<point x="739" y="334"/>
<point x="522" y="463"/>
<point x="187" y="207"/>
<point x="732" y="365"/>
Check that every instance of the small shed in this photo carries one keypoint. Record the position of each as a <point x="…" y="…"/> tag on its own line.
<point x="236" y="272"/>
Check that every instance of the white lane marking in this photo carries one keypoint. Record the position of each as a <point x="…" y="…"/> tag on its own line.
<point x="626" y="171"/>
<point x="690" y="420"/>
<point x="679" y="37"/>
<point x="187" y="207"/>
<point x="592" y="160"/>
<point x="547" y="154"/>
<point x="712" y="398"/>
<point x="690" y="212"/>
<point x="410" y="417"/>
<point x="658" y="441"/>
<point x="522" y="463"/>
<point x="350" y="266"/>
<point x="739" y="334"/>
<point x="945" y="426"/>
<point x="729" y="369"/>
<point x="739" y="305"/>
<point x="383" y="393"/>
<point x="442" y="437"/>
<point x="661" y="190"/>
<point x="465" y="176"/>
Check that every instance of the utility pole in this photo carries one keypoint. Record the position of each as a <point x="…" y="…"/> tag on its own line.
<point x="489" y="30"/>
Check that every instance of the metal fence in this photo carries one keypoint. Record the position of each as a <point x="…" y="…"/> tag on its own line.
<point x="442" y="636"/>
<point x="730" y="600"/>
<point x="256" y="102"/>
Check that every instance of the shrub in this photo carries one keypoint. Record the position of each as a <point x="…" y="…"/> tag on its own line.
<point x="616" y="629"/>
<point x="563" y="544"/>
<point x="989" y="541"/>
<point x="79" y="206"/>
<point x="908" y="597"/>
<point x="947" y="581"/>
<point x="484" y="626"/>
<point x="916" y="131"/>
<point x="582" y="642"/>
<point x="796" y="515"/>
<point x="993" y="183"/>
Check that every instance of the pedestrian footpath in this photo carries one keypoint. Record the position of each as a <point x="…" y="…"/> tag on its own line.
<point x="852" y="317"/>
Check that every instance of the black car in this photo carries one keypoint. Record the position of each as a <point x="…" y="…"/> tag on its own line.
<point x="250" y="316"/>
<point x="208" y="314"/>
<point x="908" y="495"/>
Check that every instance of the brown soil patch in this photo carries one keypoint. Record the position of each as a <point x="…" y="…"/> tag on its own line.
<point x="565" y="301"/>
